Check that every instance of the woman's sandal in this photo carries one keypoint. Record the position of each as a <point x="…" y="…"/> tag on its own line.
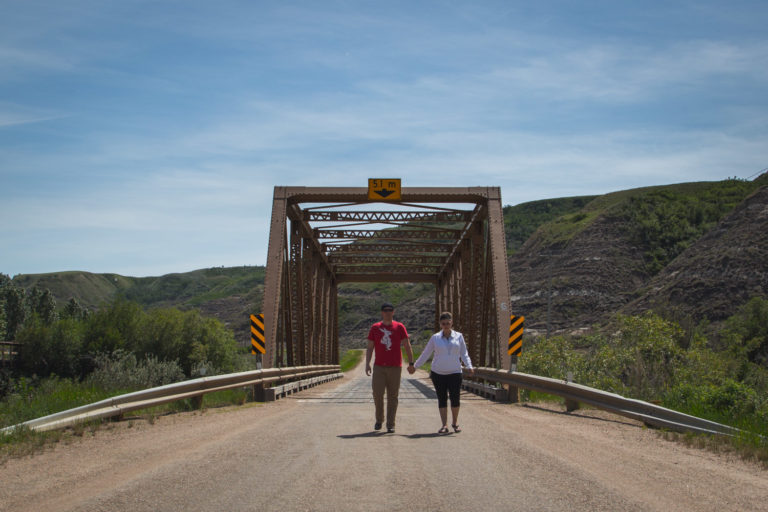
<point x="456" y="428"/>
<point x="443" y="430"/>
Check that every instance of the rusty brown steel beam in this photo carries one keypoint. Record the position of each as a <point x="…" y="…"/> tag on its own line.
<point x="390" y="216"/>
<point x="476" y="289"/>
<point x="478" y="213"/>
<point x="386" y="278"/>
<point x="297" y="295"/>
<point x="367" y="269"/>
<point x="410" y="247"/>
<point x="407" y="194"/>
<point x="274" y="273"/>
<point x="287" y="333"/>
<point x="352" y="258"/>
<point x="391" y="234"/>
<point x="294" y="213"/>
<point x="500" y="272"/>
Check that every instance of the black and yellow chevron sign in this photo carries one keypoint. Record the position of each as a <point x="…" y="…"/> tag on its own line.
<point x="515" y="346"/>
<point x="257" y="334"/>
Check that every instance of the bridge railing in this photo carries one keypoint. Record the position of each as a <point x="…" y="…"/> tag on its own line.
<point x="646" y="412"/>
<point x="8" y="352"/>
<point x="119" y="405"/>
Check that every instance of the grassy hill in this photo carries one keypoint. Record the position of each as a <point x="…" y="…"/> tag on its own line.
<point x="90" y="290"/>
<point x="582" y="267"/>
<point x="522" y="220"/>
<point x="229" y="294"/>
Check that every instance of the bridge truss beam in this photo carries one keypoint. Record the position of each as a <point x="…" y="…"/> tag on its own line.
<point x="461" y="251"/>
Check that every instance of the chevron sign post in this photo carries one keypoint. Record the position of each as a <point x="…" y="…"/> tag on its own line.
<point x="515" y="345"/>
<point x="257" y="334"/>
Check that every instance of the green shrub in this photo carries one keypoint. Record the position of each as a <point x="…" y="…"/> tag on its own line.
<point x="745" y="334"/>
<point x="732" y="398"/>
<point x="553" y="357"/>
<point x="33" y="398"/>
<point x="122" y="371"/>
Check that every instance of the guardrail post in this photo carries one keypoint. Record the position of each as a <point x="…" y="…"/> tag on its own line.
<point x="513" y="393"/>
<point x="258" y="392"/>
<point x="570" y="405"/>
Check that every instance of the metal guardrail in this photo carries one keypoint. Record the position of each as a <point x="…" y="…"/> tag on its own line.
<point x="276" y="392"/>
<point x="119" y="405"/>
<point x="648" y="413"/>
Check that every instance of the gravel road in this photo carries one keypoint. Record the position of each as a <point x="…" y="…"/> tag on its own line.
<point x="317" y="451"/>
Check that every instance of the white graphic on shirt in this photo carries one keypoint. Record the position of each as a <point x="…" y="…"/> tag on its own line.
<point x="385" y="340"/>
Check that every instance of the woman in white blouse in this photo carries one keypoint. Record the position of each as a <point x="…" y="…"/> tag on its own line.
<point x="449" y="351"/>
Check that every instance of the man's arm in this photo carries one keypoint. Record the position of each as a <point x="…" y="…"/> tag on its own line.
<point x="409" y="351"/>
<point x="368" y="354"/>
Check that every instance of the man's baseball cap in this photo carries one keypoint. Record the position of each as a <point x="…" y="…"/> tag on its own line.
<point x="387" y="306"/>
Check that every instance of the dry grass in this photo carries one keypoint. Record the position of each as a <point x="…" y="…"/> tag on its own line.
<point x="751" y="450"/>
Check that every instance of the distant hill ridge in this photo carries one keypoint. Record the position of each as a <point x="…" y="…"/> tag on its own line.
<point x="698" y="248"/>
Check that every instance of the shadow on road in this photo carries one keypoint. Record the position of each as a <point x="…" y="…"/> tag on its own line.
<point x="423" y="388"/>
<point x="421" y="436"/>
<point x="575" y="414"/>
<point x="363" y="434"/>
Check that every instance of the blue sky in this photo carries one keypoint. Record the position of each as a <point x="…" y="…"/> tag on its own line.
<point x="145" y="138"/>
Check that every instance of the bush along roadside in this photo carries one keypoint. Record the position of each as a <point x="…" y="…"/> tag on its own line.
<point x="73" y="358"/>
<point x="649" y="358"/>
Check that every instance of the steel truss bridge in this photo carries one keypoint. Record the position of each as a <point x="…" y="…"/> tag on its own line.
<point x="321" y="237"/>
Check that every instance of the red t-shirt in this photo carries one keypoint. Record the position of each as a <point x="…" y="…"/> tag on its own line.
<point x="386" y="341"/>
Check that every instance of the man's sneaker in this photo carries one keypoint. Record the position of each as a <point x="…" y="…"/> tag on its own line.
<point x="377" y="426"/>
<point x="391" y="430"/>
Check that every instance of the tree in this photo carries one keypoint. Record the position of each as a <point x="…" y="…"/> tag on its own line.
<point x="51" y="348"/>
<point x="15" y="311"/>
<point x="114" y="326"/>
<point x="5" y="283"/>
<point x="74" y="310"/>
<point x="46" y="307"/>
<point x="3" y="328"/>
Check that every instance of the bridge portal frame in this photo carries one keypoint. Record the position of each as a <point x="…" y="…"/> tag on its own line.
<point x="302" y="274"/>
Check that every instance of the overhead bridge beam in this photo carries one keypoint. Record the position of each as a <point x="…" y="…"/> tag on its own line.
<point x="387" y="269"/>
<point x="352" y="258"/>
<point x="410" y="247"/>
<point x="393" y="234"/>
<point x="349" y="216"/>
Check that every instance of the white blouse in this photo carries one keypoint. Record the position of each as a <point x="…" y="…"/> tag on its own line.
<point x="449" y="352"/>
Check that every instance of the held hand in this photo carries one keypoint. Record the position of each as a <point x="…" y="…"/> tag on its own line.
<point x="411" y="370"/>
<point x="368" y="369"/>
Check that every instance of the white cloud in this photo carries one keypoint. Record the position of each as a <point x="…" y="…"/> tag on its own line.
<point x="14" y="114"/>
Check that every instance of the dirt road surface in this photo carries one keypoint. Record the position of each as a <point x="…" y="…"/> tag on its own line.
<point x="317" y="451"/>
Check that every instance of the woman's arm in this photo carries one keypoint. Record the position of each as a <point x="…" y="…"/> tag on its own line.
<point x="463" y="353"/>
<point x="427" y="352"/>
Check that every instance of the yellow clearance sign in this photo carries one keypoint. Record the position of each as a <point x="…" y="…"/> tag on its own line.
<point x="384" y="189"/>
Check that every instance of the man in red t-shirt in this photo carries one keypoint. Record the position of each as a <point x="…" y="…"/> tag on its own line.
<point x="386" y="338"/>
